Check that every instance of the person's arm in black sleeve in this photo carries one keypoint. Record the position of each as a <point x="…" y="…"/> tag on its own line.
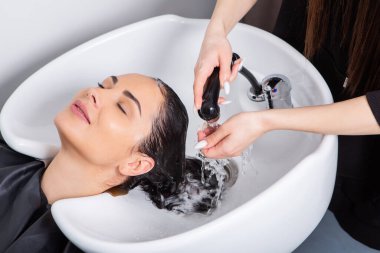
<point x="373" y="99"/>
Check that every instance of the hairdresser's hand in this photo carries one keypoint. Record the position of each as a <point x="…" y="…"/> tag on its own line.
<point x="234" y="136"/>
<point x="215" y="51"/>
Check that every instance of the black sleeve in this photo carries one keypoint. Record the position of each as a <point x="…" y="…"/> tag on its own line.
<point x="373" y="99"/>
<point x="26" y="223"/>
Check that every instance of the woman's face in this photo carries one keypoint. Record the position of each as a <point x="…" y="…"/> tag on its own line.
<point x="105" y="124"/>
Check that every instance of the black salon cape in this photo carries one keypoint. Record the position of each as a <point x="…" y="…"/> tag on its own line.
<point x="356" y="198"/>
<point x="26" y="223"/>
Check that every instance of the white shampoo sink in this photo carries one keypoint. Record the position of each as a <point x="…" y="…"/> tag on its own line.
<point x="282" y="191"/>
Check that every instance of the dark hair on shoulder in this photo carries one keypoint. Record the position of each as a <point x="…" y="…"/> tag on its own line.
<point x="356" y="24"/>
<point x="174" y="176"/>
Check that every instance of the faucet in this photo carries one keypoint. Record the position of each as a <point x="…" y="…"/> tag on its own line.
<point x="274" y="89"/>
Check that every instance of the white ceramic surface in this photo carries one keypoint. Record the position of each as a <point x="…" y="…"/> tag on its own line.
<point x="282" y="191"/>
<point x="36" y="32"/>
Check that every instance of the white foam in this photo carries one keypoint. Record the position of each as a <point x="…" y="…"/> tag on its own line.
<point x="206" y="192"/>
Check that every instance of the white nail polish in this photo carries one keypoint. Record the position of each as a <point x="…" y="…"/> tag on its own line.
<point x="226" y="102"/>
<point x="200" y="144"/>
<point x="227" y="88"/>
<point x="241" y="65"/>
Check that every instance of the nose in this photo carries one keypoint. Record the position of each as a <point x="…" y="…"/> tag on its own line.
<point x="93" y="96"/>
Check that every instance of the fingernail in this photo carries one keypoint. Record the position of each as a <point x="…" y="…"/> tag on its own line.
<point x="241" y="65"/>
<point x="226" y="87"/>
<point x="200" y="144"/>
<point x="226" y="102"/>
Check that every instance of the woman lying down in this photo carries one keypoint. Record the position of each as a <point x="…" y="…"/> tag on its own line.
<point x="129" y="131"/>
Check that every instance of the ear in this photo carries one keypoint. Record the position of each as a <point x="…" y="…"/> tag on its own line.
<point x="142" y="164"/>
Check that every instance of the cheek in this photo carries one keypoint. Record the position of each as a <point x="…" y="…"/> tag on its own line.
<point x="106" y="141"/>
<point x="100" y="143"/>
<point x="113" y="137"/>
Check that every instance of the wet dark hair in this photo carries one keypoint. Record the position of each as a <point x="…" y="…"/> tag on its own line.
<point x="170" y="177"/>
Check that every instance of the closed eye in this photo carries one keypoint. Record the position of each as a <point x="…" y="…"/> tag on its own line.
<point x="100" y="86"/>
<point x="122" y="108"/>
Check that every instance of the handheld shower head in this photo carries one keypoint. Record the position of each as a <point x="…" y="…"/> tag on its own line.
<point x="210" y="110"/>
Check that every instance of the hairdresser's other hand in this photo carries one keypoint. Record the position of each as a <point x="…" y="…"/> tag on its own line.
<point x="234" y="136"/>
<point x="215" y="52"/>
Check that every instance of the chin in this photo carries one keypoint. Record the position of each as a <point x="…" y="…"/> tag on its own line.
<point x="74" y="136"/>
<point x="69" y="129"/>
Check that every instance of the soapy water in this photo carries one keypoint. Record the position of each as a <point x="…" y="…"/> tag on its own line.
<point x="202" y="192"/>
<point x="246" y="160"/>
<point x="204" y="184"/>
<point x="247" y="153"/>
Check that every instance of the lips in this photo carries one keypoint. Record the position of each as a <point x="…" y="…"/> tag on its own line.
<point x="79" y="109"/>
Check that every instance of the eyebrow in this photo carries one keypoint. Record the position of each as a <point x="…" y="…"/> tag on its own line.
<point x="114" y="79"/>
<point x="133" y="98"/>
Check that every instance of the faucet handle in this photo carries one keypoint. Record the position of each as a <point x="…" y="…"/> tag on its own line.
<point x="278" y="89"/>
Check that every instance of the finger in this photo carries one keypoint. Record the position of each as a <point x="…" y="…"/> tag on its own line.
<point x="235" y="69"/>
<point x="218" y="151"/>
<point x="201" y="75"/>
<point x="214" y="138"/>
<point x="225" y="69"/>
<point x="201" y="135"/>
<point x="221" y="100"/>
<point x="223" y="149"/>
<point x="209" y="130"/>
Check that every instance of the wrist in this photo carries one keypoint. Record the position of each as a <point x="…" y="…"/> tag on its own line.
<point x="265" y="119"/>
<point x="216" y="28"/>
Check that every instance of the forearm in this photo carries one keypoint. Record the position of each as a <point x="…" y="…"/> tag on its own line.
<point x="226" y="14"/>
<point x="350" y="117"/>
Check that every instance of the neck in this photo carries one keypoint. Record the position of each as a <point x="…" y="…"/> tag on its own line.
<point x="68" y="176"/>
